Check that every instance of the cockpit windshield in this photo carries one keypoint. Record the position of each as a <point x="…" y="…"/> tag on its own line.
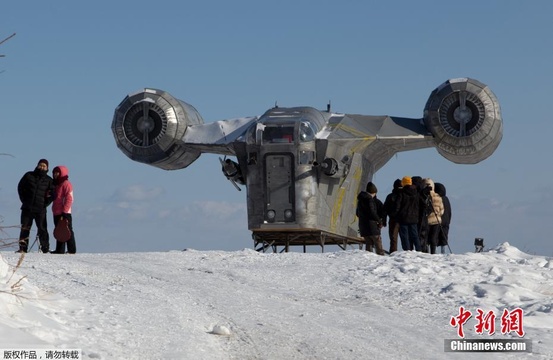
<point x="287" y="126"/>
<point x="278" y="134"/>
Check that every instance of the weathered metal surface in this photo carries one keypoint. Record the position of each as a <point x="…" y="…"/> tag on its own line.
<point x="302" y="167"/>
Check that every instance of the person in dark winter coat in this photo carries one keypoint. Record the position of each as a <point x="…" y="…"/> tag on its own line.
<point x="389" y="207"/>
<point x="369" y="212"/>
<point x="36" y="192"/>
<point x="424" y="208"/>
<point x="407" y="210"/>
<point x="61" y="207"/>
<point x="443" y="238"/>
<point x="434" y="216"/>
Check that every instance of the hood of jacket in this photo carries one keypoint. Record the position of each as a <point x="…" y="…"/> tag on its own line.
<point x="64" y="172"/>
<point x="410" y="190"/>
<point x="429" y="182"/>
<point x="363" y="195"/>
<point x="440" y="189"/>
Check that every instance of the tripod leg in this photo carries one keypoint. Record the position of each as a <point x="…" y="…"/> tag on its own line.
<point x="34" y="242"/>
<point x="442" y="229"/>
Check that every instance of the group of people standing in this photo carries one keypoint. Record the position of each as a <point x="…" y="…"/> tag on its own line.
<point x="37" y="190"/>
<point x="417" y="211"/>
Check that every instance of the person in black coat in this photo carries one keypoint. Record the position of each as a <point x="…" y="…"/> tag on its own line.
<point x="36" y="190"/>
<point x="389" y="206"/>
<point x="370" y="211"/>
<point x="443" y="237"/>
<point x="424" y="210"/>
<point x="407" y="210"/>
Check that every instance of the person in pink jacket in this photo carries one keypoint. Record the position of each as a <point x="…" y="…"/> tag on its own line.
<point x="61" y="207"/>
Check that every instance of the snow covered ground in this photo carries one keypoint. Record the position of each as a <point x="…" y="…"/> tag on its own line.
<point x="248" y="305"/>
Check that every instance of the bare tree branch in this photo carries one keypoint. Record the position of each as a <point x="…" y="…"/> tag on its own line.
<point x="6" y="39"/>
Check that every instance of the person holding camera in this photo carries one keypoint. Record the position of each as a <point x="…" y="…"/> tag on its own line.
<point x="435" y="210"/>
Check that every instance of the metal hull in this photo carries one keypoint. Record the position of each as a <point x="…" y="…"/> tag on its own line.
<point x="302" y="167"/>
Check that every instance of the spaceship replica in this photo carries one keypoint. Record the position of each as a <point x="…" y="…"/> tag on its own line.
<point x="304" y="167"/>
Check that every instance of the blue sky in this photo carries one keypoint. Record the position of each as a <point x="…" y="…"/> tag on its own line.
<point x="71" y="63"/>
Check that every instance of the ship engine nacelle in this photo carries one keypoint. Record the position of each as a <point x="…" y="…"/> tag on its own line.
<point x="464" y="117"/>
<point x="149" y="126"/>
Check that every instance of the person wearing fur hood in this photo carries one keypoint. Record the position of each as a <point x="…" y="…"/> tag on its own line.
<point x="434" y="216"/>
<point x="62" y="206"/>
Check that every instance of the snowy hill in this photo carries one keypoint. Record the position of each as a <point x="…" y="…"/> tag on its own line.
<point x="249" y="305"/>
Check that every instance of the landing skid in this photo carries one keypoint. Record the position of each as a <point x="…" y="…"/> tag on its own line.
<point x="281" y="240"/>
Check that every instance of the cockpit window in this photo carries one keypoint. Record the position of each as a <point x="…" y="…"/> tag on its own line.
<point x="278" y="134"/>
<point x="251" y="134"/>
<point x="306" y="131"/>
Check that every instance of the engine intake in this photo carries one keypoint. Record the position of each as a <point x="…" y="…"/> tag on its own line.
<point x="149" y="125"/>
<point x="465" y="119"/>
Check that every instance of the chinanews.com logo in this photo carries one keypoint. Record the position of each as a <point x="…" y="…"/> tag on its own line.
<point x="511" y="323"/>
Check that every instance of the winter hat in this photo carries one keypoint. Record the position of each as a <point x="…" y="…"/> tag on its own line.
<point x="406" y="181"/>
<point x="417" y="181"/>
<point x="397" y="184"/>
<point x="371" y="188"/>
<point x="44" y="161"/>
